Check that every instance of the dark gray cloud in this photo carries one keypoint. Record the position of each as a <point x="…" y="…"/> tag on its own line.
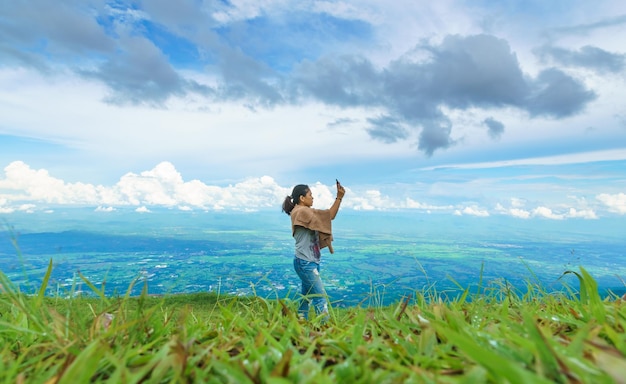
<point x="33" y="31"/>
<point x="93" y="34"/>
<point x="136" y="49"/>
<point x="341" y="122"/>
<point x="587" y="57"/>
<point x="495" y="127"/>
<point x="140" y="74"/>
<point x="9" y="56"/>
<point x="556" y="94"/>
<point x="462" y="72"/>
<point x="345" y="80"/>
<point x="54" y="27"/>
<point x="584" y="29"/>
<point x="387" y="129"/>
<point x="179" y="14"/>
<point x="247" y="79"/>
<point x="476" y="70"/>
<point x="435" y="135"/>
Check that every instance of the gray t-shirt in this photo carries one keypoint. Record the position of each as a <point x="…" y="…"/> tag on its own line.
<point x="307" y="244"/>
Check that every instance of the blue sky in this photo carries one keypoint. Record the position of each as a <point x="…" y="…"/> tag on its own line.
<point x="480" y="108"/>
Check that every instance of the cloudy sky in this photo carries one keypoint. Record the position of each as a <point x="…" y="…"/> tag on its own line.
<point x="478" y="107"/>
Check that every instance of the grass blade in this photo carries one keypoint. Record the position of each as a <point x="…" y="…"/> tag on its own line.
<point x="44" y="285"/>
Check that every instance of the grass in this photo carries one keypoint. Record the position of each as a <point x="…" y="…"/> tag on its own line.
<point x="496" y="335"/>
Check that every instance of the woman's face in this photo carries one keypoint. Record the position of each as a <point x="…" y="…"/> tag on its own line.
<point x="307" y="199"/>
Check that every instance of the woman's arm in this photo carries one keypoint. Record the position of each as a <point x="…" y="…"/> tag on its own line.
<point x="335" y="207"/>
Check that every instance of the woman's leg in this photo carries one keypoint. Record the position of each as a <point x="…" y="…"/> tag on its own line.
<point x="312" y="287"/>
<point x="319" y="293"/>
<point x="303" y="308"/>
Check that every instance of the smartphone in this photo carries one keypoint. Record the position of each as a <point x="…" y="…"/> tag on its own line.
<point x="338" y="183"/>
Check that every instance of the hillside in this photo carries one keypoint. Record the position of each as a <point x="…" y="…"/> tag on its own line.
<point x="497" y="336"/>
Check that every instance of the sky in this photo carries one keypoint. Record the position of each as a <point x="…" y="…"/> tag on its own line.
<point x="480" y="108"/>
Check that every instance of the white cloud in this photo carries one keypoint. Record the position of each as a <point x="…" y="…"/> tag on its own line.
<point x="28" y="208"/>
<point x="582" y="214"/>
<point x="520" y="213"/>
<point x="615" y="203"/>
<point x="24" y="183"/>
<point x="4" y="208"/>
<point x="517" y="202"/>
<point x="370" y="200"/>
<point x="473" y="211"/>
<point x="517" y="210"/>
<point x="546" y="213"/>
<point x="414" y="204"/>
<point x="27" y="190"/>
<point x="376" y="200"/>
<point x="514" y="211"/>
<point x="104" y="209"/>
<point x="161" y="186"/>
<point x="154" y="187"/>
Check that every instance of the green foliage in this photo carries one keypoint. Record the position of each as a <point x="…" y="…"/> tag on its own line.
<point x="495" y="335"/>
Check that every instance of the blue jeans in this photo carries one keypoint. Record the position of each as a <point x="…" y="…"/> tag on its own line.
<point x="312" y="288"/>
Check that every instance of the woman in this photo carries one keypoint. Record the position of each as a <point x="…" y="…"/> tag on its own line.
<point x="312" y="231"/>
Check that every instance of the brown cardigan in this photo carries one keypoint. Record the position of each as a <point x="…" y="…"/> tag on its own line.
<point x="316" y="220"/>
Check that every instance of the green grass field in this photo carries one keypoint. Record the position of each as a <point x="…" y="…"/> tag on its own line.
<point x="497" y="335"/>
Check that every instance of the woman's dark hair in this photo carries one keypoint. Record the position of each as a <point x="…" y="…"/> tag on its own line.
<point x="291" y="201"/>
